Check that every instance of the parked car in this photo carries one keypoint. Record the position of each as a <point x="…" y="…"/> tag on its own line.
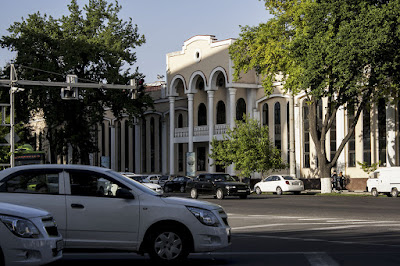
<point x="135" y="218"/>
<point x="153" y="178"/>
<point x="28" y="236"/>
<point x="143" y="180"/>
<point x="384" y="180"/>
<point x="279" y="184"/>
<point x="176" y="184"/>
<point x="163" y="179"/>
<point x="218" y="184"/>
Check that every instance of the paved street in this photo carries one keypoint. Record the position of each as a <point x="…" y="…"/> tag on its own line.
<point x="295" y="230"/>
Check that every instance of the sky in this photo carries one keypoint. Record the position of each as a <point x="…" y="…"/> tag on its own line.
<point x="166" y="24"/>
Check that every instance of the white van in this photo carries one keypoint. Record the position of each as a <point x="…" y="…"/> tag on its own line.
<point x="384" y="180"/>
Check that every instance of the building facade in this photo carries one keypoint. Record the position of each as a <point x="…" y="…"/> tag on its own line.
<point x="200" y="101"/>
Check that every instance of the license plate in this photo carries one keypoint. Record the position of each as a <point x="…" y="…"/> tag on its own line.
<point x="242" y="191"/>
<point x="60" y="245"/>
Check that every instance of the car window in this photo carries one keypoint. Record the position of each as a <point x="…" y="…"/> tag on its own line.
<point x="288" y="177"/>
<point x="43" y="182"/>
<point x="270" y="178"/>
<point x="202" y="178"/>
<point x="86" y="183"/>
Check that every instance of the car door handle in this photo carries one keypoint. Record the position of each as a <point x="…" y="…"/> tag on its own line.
<point x="77" y="206"/>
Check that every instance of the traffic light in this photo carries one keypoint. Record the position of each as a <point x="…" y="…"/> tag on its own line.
<point x="140" y="85"/>
<point x="139" y="88"/>
<point x="70" y="93"/>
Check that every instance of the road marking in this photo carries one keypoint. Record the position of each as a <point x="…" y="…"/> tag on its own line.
<point x="320" y="259"/>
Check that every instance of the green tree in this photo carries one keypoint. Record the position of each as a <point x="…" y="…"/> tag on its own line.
<point x="343" y="51"/>
<point x="92" y="43"/>
<point x="248" y="147"/>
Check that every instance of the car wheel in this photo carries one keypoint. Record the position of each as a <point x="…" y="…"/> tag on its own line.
<point x="166" y="189"/>
<point x="168" y="244"/>
<point x="394" y="193"/>
<point x="193" y="193"/>
<point x="182" y="189"/>
<point x="374" y="192"/>
<point x="258" y="190"/>
<point x="279" y="191"/>
<point x="220" y="194"/>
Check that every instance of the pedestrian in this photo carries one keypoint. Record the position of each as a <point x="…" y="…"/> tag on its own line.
<point x="341" y="179"/>
<point x="333" y="180"/>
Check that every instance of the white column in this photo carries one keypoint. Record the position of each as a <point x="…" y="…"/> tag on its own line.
<point x="191" y="124"/>
<point x="390" y="135"/>
<point x="340" y="124"/>
<point x="298" y="136"/>
<point x="292" y="149"/>
<point x="138" y="153"/>
<point x="112" y="153"/>
<point x="171" y="135"/>
<point x="232" y="106"/>
<point x="164" y="153"/>
<point x="232" y="117"/>
<point x="211" y="167"/>
<point x="148" y="146"/>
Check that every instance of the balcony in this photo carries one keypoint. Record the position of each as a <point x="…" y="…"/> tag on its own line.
<point x="200" y="131"/>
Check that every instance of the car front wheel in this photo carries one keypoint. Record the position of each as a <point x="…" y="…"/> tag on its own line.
<point x="374" y="192"/>
<point x="193" y="193"/>
<point x="220" y="194"/>
<point x="168" y="245"/>
<point x="258" y="190"/>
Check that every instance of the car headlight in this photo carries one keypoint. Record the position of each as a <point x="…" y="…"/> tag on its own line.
<point x="230" y="187"/>
<point x="20" y="227"/>
<point x="204" y="216"/>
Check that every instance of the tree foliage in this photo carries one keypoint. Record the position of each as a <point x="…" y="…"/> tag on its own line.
<point x="92" y="43"/>
<point x="247" y="146"/>
<point x="343" y="51"/>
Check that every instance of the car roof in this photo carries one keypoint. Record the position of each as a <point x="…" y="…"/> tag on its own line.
<point x="11" y="170"/>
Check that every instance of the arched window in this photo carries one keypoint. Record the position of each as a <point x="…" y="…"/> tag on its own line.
<point x="306" y="137"/>
<point x="367" y="136"/>
<point x="152" y="145"/>
<point x="240" y="109"/>
<point x="277" y="120"/>
<point x="202" y="115"/>
<point x="265" y="115"/>
<point x="180" y="121"/>
<point x="221" y="114"/>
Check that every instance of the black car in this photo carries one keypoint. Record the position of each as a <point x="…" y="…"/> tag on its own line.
<point x="217" y="184"/>
<point x="176" y="184"/>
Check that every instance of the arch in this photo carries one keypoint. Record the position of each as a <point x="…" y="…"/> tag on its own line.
<point x="194" y="81"/>
<point x="221" y="113"/>
<point x="240" y="109"/>
<point x="177" y="83"/>
<point x="215" y="76"/>
<point x="202" y="115"/>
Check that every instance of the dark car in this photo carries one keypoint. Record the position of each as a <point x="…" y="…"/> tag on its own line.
<point x="218" y="184"/>
<point x="176" y="184"/>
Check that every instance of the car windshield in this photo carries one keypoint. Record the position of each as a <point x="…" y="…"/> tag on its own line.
<point x="223" y="178"/>
<point x="134" y="183"/>
<point x="288" y="177"/>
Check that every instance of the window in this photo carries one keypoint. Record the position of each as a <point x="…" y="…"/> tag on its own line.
<point x="221" y="114"/>
<point x="367" y="136"/>
<point x="306" y="137"/>
<point x="202" y="115"/>
<point x="180" y="157"/>
<point x="351" y="144"/>
<point x="201" y="159"/>
<point x="180" y="121"/>
<point x="86" y="183"/>
<point x="265" y="115"/>
<point x="240" y="109"/>
<point x="126" y="144"/>
<point x="119" y="145"/>
<point x="382" y="131"/>
<point x="333" y="139"/>
<point x="277" y="121"/>
<point x="42" y="182"/>
<point x="152" y="145"/>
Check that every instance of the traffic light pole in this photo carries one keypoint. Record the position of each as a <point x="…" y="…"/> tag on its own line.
<point x="13" y="83"/>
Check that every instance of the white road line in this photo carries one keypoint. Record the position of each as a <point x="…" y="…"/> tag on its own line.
<point x="320" y="259"/>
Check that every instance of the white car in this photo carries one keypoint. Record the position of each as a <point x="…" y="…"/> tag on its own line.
<point x="279" y="184"/>
<point x="134" y="218"/>
<point x="144" y="180"/>
<point x="154" y="178"/>
<point x="28" y="236"/>
<point x="384" y="180"/>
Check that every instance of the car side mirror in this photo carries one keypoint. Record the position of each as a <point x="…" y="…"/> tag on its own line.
<point x="124" y="193"/>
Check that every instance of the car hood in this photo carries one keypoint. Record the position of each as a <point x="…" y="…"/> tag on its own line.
<point x="21" y="211"/>
<point x="191" y="202"/>
<point x="151" y="185"/>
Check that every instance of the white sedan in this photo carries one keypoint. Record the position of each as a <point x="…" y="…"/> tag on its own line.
<point x="279" y="184"/>
<point x="144" y="181"/>
<point x="28" y="236"/>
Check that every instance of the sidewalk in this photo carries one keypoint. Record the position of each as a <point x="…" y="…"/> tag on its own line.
<point x="344" y="192"/>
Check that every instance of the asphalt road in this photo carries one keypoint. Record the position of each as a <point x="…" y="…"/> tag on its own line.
<point x="293" y="230"/>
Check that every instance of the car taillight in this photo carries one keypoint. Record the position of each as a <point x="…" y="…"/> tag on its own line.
<point x="287" y="182"/>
